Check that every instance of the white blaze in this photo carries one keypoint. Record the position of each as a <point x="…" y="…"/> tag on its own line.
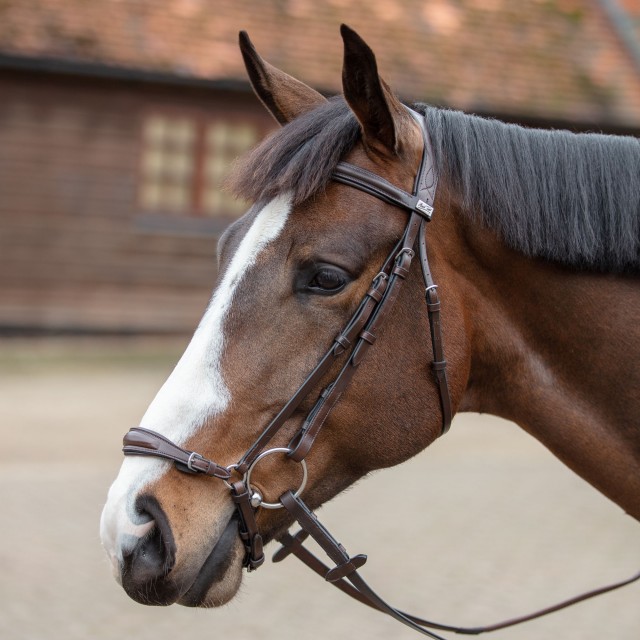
<point x="196" y="389"/>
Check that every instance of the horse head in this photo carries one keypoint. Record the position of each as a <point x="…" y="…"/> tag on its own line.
<point x="292" y="272"/>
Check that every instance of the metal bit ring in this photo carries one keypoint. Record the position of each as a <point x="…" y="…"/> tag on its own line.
<point x="303" y="484"/>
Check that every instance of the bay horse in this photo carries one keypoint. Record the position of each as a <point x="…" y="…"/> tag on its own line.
<point x="534" y="244"/>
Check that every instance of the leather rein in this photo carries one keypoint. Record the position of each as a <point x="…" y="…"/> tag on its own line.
<point x="351" y="344"/>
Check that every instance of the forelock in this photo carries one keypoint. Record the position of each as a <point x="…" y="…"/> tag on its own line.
<point x="300" y="157"/>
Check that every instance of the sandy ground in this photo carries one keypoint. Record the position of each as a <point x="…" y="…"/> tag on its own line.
<point x="502" y="527"/>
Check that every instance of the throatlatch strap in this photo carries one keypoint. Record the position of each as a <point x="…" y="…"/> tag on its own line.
<point x="439" y="364"/>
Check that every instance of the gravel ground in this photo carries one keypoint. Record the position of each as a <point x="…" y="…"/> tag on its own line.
<point x="502" y="527"/>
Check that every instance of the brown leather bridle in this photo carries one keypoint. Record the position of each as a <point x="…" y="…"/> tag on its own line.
<point x="352" y="344"/>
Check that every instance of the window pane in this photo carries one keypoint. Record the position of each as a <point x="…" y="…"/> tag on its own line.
<point x="175" y="197"/>
<point x="216" y="167"/>
<point x="182" y="132"/>
<point x="150" y="195"/>
<point x="245" y="137"/>
<point x="217" y="135"/>
<point x="180" y="165"/>
<point x="152" y="161"/>
<point x="212" y="199"/>
<point x="154" y="130"/>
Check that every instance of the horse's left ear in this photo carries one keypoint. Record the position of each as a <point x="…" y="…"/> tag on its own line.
<point x="284" y="97"/>
<point x="370" y="98"/>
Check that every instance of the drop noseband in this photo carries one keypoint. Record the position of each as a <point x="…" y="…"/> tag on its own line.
<point x="351" y="345"/>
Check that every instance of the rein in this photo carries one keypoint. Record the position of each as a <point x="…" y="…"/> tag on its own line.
<point x="353" y="342"/>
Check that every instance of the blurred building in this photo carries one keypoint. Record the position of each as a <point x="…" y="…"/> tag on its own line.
<point x="119" y="120"/>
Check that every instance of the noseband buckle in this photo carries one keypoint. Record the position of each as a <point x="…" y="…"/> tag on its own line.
<point x="193" y="456"/>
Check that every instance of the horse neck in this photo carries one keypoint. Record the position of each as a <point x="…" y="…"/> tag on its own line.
<point x="553" y="350"/>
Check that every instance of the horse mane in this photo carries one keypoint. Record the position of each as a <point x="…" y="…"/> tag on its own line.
<point x="570" y="198"/>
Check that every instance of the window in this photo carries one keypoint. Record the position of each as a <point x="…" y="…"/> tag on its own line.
<point x="185" y="162"/>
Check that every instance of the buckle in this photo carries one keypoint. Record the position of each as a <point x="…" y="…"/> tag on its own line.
<point x="193" y="456"/>
<point x="405" y="250"/>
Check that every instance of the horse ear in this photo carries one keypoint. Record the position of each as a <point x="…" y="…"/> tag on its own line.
<point x="284" y="97"/>
<point x="370" y="98"/>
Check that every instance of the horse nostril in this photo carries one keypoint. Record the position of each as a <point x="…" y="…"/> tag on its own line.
<point x="151" y="557"/>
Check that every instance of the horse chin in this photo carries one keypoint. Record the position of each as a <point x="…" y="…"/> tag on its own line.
<point x="219" y="577"/>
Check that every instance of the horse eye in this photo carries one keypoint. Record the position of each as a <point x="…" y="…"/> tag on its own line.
<point x="327" y="280"/>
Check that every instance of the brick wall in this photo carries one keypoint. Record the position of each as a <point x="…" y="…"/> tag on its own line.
<point x="76" y="253"/>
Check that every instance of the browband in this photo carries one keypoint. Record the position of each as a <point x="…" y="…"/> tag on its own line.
<point x="424" y="189"/>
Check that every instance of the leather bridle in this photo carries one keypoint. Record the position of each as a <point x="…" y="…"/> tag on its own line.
<point x="351" y="344"/>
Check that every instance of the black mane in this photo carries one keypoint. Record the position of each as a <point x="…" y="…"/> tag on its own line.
<point x="569" y="198"/>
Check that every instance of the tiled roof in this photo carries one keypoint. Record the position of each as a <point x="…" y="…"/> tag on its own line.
<point x="555" y="59"/>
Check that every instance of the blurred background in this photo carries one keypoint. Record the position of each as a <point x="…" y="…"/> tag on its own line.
<point x="119" y="120"/>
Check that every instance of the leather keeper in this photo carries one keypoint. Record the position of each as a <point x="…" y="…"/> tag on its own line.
<point x="401" y="271"/>
<point x="403" y="263"/>
<point x="367" y="336"/>
<point x="432" y="307"/>
<point x="257" y="557"/>
<point x="344" y="569"/>
<point x="439" y="365"/>
<point x="208" y="467"/>
<point x="375" y="294"/>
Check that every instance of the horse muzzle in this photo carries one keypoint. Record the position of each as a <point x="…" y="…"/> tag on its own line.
<point x="163" y="551"/>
